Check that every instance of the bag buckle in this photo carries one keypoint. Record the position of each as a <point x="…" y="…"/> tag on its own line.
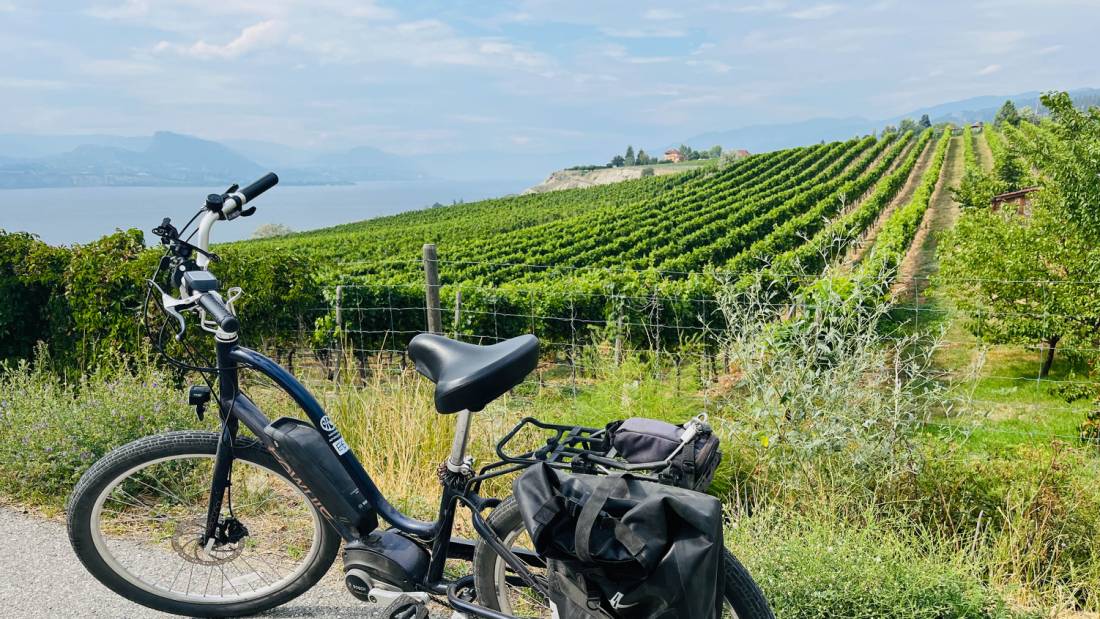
<point x="616" y="600"/>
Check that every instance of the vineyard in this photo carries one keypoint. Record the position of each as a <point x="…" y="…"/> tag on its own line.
<point x="570" y="266"/>
<point x="620" y="254"/>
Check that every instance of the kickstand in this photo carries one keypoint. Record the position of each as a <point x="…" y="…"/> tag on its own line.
<point x="406" y="607"/>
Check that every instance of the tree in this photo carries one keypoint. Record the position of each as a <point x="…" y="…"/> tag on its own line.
<point x="907" y="124"/>
<point x="628" y="159"/>
<point x="617" y="161"/>
<point x="924" y="123"/>
<point x="268" y="231"/>
<point x="714" y="152"/>
<point x="1007" y="115"/>
<point x="1025" y="277"/>
<point x="642" y="158"/>
<point x="1029" y="115"/>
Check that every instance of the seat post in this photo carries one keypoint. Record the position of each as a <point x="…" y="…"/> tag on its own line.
<point x="458" y="447"/>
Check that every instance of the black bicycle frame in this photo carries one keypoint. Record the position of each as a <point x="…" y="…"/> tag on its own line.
<point x="235" y="406"/>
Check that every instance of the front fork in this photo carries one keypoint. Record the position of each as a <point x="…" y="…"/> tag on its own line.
<point x="223" y="458"/>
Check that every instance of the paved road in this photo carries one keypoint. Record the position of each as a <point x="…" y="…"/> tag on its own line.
<point x="41" y="577"/>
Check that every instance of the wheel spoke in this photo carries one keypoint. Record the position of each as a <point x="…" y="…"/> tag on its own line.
<point x="147" y="523"/>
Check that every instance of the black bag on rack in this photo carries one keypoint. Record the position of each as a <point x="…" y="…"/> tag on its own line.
<point x="621" y="547"/>
<point x="639" y="439"/>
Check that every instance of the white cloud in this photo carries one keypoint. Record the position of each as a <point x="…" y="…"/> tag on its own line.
<point x="643" y="33"/>
<point x="130" y="9"/>
<point x="767" y="6"/>
<point x="716" y="66"/>
<point x="989" y="69"/>
<point x="820" y="11"/>
<point x="20" y="83"/>
<point x="257" y="36"/>
<point x="661" y="15"/>
<point x="1053" y="49"/>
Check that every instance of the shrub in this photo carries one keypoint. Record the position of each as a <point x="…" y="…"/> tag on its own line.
<point x="824" y="392"/>
<point x="32" y="303"/>
<point x="51" y="432"/>
<point x="105" y="289"/>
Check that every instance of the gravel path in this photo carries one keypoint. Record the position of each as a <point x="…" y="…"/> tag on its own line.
<point x="41" y="577"/>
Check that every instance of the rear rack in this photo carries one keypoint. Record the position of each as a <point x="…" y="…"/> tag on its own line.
<point x="580" y="449"/>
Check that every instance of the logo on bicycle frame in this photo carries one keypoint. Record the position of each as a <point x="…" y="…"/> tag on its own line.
<point x="327" y="425"/>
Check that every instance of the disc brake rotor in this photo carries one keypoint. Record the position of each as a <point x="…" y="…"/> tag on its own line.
<point x="186" y="544"/>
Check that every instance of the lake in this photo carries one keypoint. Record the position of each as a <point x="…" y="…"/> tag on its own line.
<point x="81" y="214"/>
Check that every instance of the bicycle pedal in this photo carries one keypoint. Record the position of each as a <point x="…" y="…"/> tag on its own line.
<point x="406" y="607"/>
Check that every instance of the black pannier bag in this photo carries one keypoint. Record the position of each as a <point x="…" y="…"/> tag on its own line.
<point x="639" y="440"/>
<point x="621" y="547"/>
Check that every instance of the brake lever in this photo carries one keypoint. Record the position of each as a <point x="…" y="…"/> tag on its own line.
<point x="170" y="303"/>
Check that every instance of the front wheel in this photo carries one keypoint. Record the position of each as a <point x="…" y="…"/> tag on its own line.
<point x="136" y="517"/>
<point x="499" y="590"/>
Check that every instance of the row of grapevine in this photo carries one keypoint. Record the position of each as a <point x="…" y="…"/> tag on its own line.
<point x="970" y="157"/>
<point x="592" y="239"/>
<point x="795" y="230"/>
<point x="832" y="241"/>
<point x="730" y="243"/>
<point x="892" y="242"/>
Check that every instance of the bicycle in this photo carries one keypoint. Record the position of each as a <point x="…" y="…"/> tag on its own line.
<point x="217" y="524"/>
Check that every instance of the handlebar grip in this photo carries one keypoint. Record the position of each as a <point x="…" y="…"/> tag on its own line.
<point x="219" y="312"/>
<point x="265" y="182"/>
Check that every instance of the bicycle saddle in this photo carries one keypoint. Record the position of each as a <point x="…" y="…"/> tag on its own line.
<point x="468" y="376"/>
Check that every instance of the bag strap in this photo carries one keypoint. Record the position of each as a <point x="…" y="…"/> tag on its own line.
<point x="586" y="521"/>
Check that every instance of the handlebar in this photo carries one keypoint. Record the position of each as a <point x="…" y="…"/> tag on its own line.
<point x="217" y="310"/>
<point x="265" y="182"/>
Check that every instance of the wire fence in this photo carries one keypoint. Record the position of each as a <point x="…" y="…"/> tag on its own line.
<point x="585" y="332"/>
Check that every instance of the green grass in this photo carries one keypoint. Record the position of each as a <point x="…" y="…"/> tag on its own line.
<point x="816" y="567"/>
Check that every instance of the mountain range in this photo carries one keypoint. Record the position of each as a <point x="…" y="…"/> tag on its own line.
<point x="167" y="158"/>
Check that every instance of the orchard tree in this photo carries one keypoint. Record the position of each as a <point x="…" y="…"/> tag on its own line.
<point x="1007" y="115"/>
<point x="1025" y="278"/>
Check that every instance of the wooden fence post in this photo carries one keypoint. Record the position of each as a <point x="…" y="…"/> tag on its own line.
<point x="431" y="289"/>
<point x="458" y="310"/>
<point x="339" y="352"/>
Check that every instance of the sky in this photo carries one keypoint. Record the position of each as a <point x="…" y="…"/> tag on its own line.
<point x="529" y="77"/>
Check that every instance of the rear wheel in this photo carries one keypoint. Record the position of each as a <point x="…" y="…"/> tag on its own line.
<point x="136" y="517"/>
<point x="499" y="589"/>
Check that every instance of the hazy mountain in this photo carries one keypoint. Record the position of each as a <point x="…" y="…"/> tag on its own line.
<point x="26" y="146"/>
<point x="167" y="158"/>
<point x="762" y="138"/>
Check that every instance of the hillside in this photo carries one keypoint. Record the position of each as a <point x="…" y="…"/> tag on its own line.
<point x="575" y="179"/>
<point x="735" y="217"/>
